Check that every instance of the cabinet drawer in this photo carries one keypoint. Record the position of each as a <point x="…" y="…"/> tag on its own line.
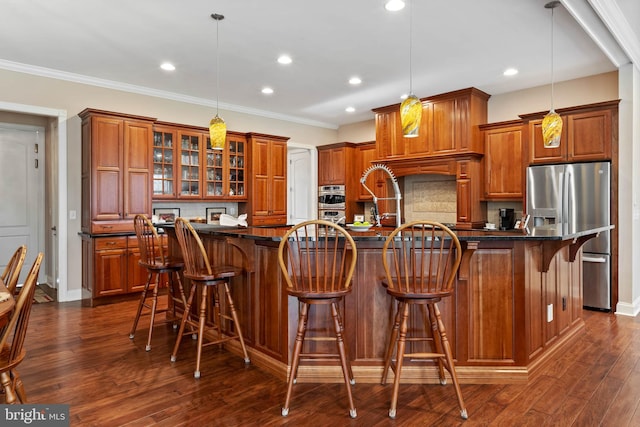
<point x="110" y="243"/>
<point x="98" y="227"/>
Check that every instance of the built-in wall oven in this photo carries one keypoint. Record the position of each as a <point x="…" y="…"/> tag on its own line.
<point x="331" y="203"/>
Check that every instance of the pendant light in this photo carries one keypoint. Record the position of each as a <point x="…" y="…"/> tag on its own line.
<point x="217" y="126"/>
<point x="552" y="122"/>
<point x="411" y="107"/>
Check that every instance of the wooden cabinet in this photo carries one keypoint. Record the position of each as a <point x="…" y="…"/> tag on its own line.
<point x="110" y="268"/>
<point x="503" y="161"/>
<point x="335" y="164"/>
<point x="267" y="161"/>
<point x="589" y="133"/>
<point x="189" y="169"/>
<point x="470" y="211"/>
<point x="366" y="154"/>
<point x="116" y="170"/>
<point x="449" y="126"/>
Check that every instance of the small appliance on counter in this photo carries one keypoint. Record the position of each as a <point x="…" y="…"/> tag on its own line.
<point x="507" y="218"/>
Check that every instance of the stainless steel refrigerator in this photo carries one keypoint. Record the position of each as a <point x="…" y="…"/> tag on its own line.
<point x="574" y="197"/>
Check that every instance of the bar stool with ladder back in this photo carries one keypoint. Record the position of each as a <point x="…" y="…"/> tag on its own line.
<point x="317" y="259"/>
<point x="12" y="351"/>
<point x="420" y="260"/>
<point x="13" y="268"/>
<point x="153" y="258"/>
<point x="206" y="277"/>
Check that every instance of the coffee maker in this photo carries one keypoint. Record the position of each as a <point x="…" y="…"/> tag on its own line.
<point x="507" y="219"/>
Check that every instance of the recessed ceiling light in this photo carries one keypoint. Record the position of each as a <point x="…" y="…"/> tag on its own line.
<point x="167" y="66"/>
<point x="510" y="72"/>
<point x="284" y="59"/>
<point x="355" y="80"/>
<point x="349" y="109"/>
<point x="267" y="90"/>
<point x="394" y="5"/>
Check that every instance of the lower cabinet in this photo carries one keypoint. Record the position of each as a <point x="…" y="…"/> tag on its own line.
<point x="110" y="268"/>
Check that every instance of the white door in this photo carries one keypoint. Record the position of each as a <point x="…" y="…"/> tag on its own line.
<point x="302" y="185"/>
<point x="21" y="193"/>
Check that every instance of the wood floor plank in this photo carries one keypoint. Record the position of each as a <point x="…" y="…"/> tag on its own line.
<point x="83" y="357"/>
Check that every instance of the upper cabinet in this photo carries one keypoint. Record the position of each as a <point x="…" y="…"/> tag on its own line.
<point x="503" y="165"/>
<point x="449" y="126"/>
<point x="333" y="163"/>
<point x="589" y="133"/>
<point x="267" y="167"/>
<point x="116" y="170"/>
<point x="187" y="168"/>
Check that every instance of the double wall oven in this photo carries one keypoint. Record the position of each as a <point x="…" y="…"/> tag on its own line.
<point x="331" y="203"/>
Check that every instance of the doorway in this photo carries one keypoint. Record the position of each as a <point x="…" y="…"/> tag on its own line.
<point x="302" y="177"/>
<point x="22" y="162"/>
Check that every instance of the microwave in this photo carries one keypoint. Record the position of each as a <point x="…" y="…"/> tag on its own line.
<point x="331" y="197"/>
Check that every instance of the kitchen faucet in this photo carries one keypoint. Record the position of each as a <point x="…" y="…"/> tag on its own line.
<point x="337" y="220"/>
<point x="396" y="189"/>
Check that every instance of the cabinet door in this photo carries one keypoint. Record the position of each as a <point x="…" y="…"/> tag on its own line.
<point x="137" y="166"/>
<point x="332" y="166"/>
<point x="110" y="272"/>
<point x="236" y="151"/>
<point x="107" y="136"/>
<point x="136" y="275"/>
<point x="503" y="163"/>
<point x="589" y="135"/>
<point x="538" y="152"/>
<point x="189" y="165"/>
<point x="389" y="135"/>
<point x="215" y="172"/>
<point x="366" y="155"/>
<point x="278" y="175"/>
<point x="164" y="178"/>
<point x="445" y="124"/>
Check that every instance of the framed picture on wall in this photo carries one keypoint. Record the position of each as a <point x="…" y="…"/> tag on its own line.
<point x="213" y="215"/>
<point x="166" y="214"/>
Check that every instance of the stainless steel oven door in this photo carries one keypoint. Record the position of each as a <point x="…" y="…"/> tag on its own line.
<point x="332" y="215"/>
<point x="331" y="197"/>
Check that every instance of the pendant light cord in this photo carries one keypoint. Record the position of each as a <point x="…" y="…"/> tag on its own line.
<point x="218" y="65"/>
<point x="552" y="68"/>
<point x="410" y="48"/>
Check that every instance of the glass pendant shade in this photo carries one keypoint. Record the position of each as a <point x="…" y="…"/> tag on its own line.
<point x="217" y="133"/>
<point x="410" y="116"/>
<point x="551" y="129"/>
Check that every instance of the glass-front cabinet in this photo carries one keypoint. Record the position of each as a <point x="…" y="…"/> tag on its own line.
<point x="189" y="164"/>
<point x="186" y="167"/>
<point x="163" y="164"/>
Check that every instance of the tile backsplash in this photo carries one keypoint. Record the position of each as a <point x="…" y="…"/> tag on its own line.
<point x="431" y="197"/>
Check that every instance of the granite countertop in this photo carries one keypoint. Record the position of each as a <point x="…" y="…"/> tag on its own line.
<point x="380" y="233"/>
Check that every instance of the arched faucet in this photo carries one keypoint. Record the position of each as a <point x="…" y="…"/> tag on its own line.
<point x="396" y="189"/>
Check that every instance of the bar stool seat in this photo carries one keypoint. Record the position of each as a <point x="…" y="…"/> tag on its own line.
<point x="317" y="259"/>
<point x="421" y="260"/>
<point x="205" y="278"/>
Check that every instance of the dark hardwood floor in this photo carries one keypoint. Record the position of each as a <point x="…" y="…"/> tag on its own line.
<point x="83" y="357"/>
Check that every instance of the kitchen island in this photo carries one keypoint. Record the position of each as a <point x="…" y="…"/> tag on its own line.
<point x="518" y="301"/>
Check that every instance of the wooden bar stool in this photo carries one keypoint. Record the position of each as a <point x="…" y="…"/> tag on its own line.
<point x="12" y="270"/>
<point x="12" y="351"/>
<point x="203" y="275"/>
<point x="317" y="259"/>
<point x="152" y="258"/>
<point x="421" y="260"/>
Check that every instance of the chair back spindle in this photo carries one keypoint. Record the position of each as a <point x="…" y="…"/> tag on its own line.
<point x="12" y="270"/>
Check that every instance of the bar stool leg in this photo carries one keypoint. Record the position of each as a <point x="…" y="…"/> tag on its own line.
<point x="183" y="322"/>
<point x="154" y="306"/>
<point x="297" y="348"/>
<point x="143" y="297"/>
<point x="201" y="322"/>
<point x="346" y="366"/>
<point x="236" y="322"/>
<point x="399" y="359"/>
<point x="449" y="360"/>
<point x="392" y="342"/>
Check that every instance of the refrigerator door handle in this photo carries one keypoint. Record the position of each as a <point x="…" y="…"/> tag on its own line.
<point x="594" y="259"/>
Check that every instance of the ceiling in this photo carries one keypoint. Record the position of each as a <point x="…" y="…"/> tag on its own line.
<point x="456" y="44"/>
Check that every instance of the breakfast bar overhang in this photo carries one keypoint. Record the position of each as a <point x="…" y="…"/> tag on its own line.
<point x="518" y="301"/>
